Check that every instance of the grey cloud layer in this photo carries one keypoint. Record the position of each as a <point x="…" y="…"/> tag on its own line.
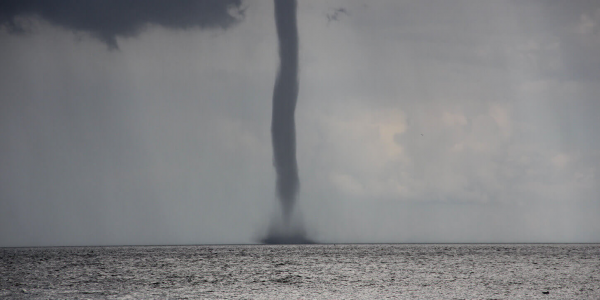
<point x="420" y="121"/>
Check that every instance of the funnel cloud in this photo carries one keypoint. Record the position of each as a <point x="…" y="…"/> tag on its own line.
<point x="283" y="131"/>
<point x="285" y="94"/>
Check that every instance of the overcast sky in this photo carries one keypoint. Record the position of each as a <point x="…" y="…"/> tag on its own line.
<point x="417" y="121"/>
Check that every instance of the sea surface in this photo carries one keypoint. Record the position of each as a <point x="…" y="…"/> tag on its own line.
<point x="343" y="271"/>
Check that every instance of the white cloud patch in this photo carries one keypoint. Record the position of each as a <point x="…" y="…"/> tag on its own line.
<point x="589" y="24"/>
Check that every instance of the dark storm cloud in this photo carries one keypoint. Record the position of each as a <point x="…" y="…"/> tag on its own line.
<point x="285" y="94"/>
<point x="107" y="19"/>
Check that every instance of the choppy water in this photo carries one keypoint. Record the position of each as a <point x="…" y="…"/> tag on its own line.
<point x="303" y="271"/>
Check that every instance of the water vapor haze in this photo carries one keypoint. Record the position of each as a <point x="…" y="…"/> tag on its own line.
<point x="415" y="121"/>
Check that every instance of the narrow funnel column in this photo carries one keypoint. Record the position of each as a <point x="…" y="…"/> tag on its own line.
<point x="285" y="94"/>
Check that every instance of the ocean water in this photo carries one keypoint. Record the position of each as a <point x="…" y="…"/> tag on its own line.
<point x="348" y="271"/>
